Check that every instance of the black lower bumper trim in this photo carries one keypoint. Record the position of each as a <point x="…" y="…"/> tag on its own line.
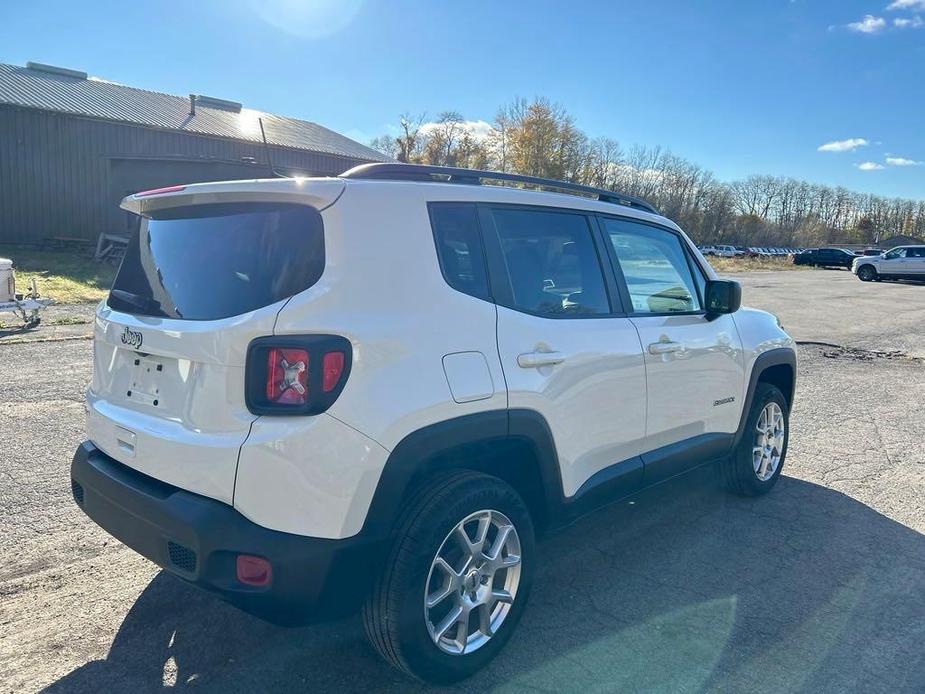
<point x="199" y="539"/>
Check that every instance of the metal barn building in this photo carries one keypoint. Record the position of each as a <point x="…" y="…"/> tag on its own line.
<point x="72" y="146"/>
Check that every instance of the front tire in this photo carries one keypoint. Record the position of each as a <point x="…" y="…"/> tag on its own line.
<point x="457" y="578"/>
<point x="867" y="273"/>
<point x="755" y="465"/>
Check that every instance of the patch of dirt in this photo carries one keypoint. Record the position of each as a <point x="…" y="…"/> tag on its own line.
<point x="832" y="351"/>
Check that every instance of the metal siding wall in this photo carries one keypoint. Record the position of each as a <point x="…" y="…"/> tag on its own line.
<point x="55" y="173"/>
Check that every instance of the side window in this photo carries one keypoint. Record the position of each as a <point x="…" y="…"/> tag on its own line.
<point x="917" y="252"/>
<point x="459" y="247"/>
<point x="896" y="253"/>
<point x="551" y="262"/>
<point x="654" y="266"/>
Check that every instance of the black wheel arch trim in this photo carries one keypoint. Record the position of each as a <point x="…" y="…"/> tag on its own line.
<point x="775" y="357"/>
<point x="419" y="453"/>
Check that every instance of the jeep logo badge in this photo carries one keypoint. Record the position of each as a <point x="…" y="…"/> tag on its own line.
<point x="132" y="338"/>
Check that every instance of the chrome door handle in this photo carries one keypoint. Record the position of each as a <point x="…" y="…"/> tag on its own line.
<point x="532" y="360"/>
<point x="665" y="347"/>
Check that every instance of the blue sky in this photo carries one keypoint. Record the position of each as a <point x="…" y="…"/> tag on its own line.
<point x="740" y="87"/>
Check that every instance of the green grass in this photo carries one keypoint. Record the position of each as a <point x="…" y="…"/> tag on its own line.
<point x="68" y="278"/>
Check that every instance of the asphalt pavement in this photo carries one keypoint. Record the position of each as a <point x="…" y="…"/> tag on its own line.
<point x="818" y="587"/>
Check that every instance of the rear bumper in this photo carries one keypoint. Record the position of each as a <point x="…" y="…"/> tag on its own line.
<point x="198" y="539"/>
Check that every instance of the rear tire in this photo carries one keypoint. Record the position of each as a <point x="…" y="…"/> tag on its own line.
<point x="755" y="465"/>
<point x="867" y="273"/>
<point x="429" y="561"/>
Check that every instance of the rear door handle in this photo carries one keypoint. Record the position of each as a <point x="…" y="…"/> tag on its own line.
<point x="665" y="347"/>
<point x="532" y="360"/>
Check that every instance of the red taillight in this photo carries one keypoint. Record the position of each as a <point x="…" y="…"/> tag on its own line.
<point x="287" y="376"/>
<point x="333" y="367"/>
<point x="159" y="191"/>
<point x="253" y="571"/>
<point x="296" y="375"/>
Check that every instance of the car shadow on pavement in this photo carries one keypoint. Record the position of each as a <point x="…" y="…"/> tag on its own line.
<point x="683" y="589"/>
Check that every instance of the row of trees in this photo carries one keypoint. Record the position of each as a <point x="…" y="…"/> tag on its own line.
<point x="540" y="138"/>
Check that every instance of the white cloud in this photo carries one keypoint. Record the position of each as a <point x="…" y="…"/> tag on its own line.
<point x="848" y="145"/>
<point x="869" y="166"/>
<point x="868" y="25"/>
<point x="907" y="5"/>
<point x="902" y="161"/>
<point x="478" y="129"/>
<point x="914" y="23"/>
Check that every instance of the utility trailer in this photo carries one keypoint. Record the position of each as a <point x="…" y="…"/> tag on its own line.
<point x="25" y="306"/>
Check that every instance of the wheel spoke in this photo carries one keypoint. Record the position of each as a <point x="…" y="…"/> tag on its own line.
<point x="481" y="534"/>
<point x="763" y="469"/>
<point x="509" y="561"/>
<point x="502" y="595"/>
<point x="452" y="617"/>
<point x="498" y="545"/>
<point x="452" y="573"/>
<point x="757" y="455"/>
<point x="473" y="547"/>
<point x="485" y="619"/>
<point x="439" y="596"/>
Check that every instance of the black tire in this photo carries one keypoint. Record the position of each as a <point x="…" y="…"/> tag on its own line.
<point x="739" y="469"/>
<point x="867" y="273"/>
<point x="394" y="613"/>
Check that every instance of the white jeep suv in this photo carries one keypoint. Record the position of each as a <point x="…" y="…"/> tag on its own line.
<point x="375" y="391"/>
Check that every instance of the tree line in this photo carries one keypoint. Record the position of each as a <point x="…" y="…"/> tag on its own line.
<point x="540" y="138"/>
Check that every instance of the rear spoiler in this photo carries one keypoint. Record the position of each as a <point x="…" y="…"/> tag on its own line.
<point x="320" y="193"/>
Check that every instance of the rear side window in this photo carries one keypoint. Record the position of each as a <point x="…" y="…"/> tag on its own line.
<point x="551" y="263"/>
<point x="459" y="247"/>
<point x="205" y="262"/>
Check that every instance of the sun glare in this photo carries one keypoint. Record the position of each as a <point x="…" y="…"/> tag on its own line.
<point x="312" y="19"/>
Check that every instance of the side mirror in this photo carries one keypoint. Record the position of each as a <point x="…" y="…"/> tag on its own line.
<point x="722" y="296"/>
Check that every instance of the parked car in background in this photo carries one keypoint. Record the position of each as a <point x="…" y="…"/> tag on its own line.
<point x="870" y="251"/>
<point x="825" y="257"/>
<point x="724" y="251"/>
<point x="747" y="252"/>
<point x="903" y="262"/>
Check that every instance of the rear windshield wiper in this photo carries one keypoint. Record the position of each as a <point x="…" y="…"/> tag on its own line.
<point x="142" y="303"/>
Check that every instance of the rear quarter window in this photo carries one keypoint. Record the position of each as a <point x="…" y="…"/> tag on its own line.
<point x="459" y="247"/>
<point x="206" y="262"/>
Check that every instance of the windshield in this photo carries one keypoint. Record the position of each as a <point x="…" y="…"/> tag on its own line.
<point x="214" y="261"/>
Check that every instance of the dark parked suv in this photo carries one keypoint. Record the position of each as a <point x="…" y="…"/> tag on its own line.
<point x="825" y="257"/>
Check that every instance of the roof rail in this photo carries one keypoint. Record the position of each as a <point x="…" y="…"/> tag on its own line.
<point x="450" y="174"/>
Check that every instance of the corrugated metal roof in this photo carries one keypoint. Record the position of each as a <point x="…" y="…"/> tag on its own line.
<point x="96" y="98"/>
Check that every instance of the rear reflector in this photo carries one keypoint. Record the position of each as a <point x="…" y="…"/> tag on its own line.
<point x="287" y="376"/>
<point x="159" y="191"/>
<point x="253" y="571"/>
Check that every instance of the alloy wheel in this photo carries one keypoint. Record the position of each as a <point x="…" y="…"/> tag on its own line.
<point x="472" y="583"/>
<point x="769" y="441"/>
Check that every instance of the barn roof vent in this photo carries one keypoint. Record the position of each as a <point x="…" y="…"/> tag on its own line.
<point x="223" y="104"/>
<point x="54" y="70"/>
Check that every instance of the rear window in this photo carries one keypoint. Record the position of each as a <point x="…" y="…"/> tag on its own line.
<point x="214" y="261"/>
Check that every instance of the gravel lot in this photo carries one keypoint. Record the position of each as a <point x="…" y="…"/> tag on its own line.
<point x="818" y="587"/>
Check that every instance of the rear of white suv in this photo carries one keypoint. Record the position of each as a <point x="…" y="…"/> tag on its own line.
<point x="187" y="368"/>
